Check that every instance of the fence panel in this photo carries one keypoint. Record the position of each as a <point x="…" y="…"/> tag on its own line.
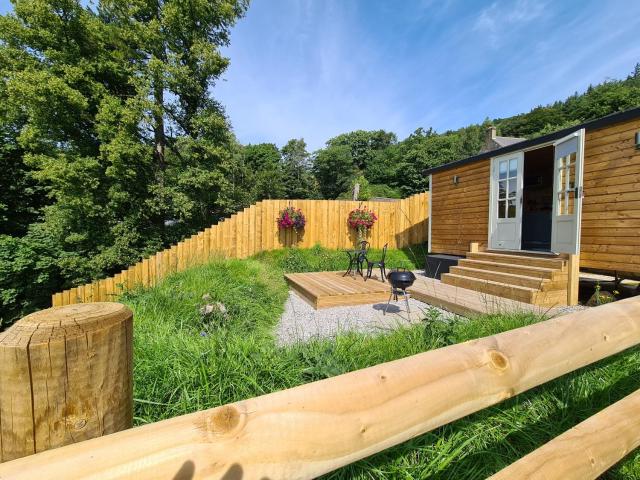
<point x="254" y="229"/>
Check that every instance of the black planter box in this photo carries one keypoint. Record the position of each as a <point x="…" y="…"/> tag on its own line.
<point x="438" y="263"/>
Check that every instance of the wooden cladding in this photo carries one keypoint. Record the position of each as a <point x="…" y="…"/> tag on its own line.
<point x="254" y="229"/>
<point x="460" y="213"/>
<point x="610" y="239"/>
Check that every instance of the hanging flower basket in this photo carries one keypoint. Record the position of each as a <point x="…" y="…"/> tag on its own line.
<point x="362" y="219"/>
<point x="291" y="217"/>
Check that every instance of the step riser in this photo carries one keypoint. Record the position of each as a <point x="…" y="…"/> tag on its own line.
<point x="515" y="269"/>
<point x="550" y="299"/>
<point x="536" y="283"/>
<point x="518" y="260"/>
<point x="506" y="291"/>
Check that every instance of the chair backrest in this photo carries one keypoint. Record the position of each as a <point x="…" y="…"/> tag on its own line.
<point x="364" y="249"/>
<point x="384" y="252"/>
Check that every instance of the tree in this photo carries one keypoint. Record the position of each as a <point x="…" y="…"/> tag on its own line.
<point x="111" y="113"/>
<point x="363" y="144"/>
<point x="298" y="181"/>
<point x="267" y="173"/>
<point x="334" y="169"/>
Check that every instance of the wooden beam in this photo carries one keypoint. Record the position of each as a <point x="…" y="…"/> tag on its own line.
<point x="573" y="279"/>
<point x="313" y="429"/>
<point x="587" y="450"/>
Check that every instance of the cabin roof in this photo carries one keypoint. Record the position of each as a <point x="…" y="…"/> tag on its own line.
<point x="550" y="137"/>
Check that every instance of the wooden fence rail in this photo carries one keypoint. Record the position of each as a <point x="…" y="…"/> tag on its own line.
<point x="588" y="449"/>
<point x="313" y="429"/>
<point x="400" y="223"/>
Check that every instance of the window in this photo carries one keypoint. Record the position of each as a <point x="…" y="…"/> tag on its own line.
<point x="566" y="184"/>
<point x="507" y="188"/>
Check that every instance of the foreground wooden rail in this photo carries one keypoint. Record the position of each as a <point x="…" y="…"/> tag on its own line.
<point x="316" y="428"/>
<point x="587" y="450"/>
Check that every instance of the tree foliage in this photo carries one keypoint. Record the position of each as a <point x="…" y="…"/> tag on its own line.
<point x="118" y="144"/>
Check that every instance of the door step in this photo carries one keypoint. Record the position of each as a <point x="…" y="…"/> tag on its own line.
<point x="515" y="269"/>
<point x="538" y="280"/>
<point x="514" y="292"/>
<point x="508" y="278"/>
<point x="526" y="260"/>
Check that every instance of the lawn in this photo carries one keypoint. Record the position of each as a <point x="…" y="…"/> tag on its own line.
<point x="185" y="362"/>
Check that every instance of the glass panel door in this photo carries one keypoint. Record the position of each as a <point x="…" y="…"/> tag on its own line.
<point x="505" y="216"/>
<point x="567" y="188"/>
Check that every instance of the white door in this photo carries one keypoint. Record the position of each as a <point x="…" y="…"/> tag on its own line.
<point x="567" y="193"/>
<point x="505" y="210"/>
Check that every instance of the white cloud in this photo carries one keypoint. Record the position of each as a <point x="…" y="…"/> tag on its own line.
<point x="497" y="20"/>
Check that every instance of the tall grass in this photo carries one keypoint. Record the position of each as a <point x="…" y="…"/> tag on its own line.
<point x="185" y="362"/>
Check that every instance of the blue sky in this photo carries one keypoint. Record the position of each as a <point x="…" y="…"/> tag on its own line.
<point x="317" y="68"/>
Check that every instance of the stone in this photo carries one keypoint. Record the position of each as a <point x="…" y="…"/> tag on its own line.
<point x="601" y="297"/>
<point x="212" y="308"/>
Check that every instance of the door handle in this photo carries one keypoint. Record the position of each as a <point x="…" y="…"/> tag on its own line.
<point x="578" y="193"/>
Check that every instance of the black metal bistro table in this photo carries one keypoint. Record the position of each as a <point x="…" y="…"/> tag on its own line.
<point x="356" y="259"/>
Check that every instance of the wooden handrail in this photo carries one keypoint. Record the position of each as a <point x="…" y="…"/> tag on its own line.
<point x="587" y="450"/>
<point x="312" y="429"/>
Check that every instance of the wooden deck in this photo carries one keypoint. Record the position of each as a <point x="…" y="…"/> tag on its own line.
<point x="331" y="289"/>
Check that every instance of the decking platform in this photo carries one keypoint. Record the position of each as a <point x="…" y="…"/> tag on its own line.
<point x="331" y="289"/>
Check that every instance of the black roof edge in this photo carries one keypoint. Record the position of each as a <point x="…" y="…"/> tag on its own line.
<point x="597" y="123"/>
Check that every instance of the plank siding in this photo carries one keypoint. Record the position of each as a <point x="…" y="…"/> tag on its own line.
<point x="460" y="213"/>
<point x="610" y="212"/>
<point x="610" y="232"/>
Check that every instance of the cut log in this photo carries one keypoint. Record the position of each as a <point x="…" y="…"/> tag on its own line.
<point x="66" y="377"/>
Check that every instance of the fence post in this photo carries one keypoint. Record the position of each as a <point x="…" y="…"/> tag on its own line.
<point x="66" y="377"/>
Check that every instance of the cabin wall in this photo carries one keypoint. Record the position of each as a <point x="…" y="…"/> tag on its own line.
<point x="460" y="213"/>
<point x="610" y="237"/>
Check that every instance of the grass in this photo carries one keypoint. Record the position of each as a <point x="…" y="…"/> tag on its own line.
<point x="184" y="362"/>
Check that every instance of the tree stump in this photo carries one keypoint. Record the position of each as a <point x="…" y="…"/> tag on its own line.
<point x="66" y="376"/>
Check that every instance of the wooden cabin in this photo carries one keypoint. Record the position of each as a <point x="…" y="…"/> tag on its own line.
<point x="541" y="209"/>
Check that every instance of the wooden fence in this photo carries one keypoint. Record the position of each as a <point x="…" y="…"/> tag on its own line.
<point x="315" y="428"/>
<point x="253" y="230"/>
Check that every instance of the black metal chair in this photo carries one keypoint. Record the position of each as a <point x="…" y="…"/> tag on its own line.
<point x="362" y="256"/>
<point x="378" y="263"/>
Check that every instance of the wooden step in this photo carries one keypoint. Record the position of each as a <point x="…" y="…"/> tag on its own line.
<point x="551" y="298"/>
<point x="514" y="292"/>
<point x="508" y="278"/>
<point x="514" y="259"/>
<point x="539" y="272"/>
